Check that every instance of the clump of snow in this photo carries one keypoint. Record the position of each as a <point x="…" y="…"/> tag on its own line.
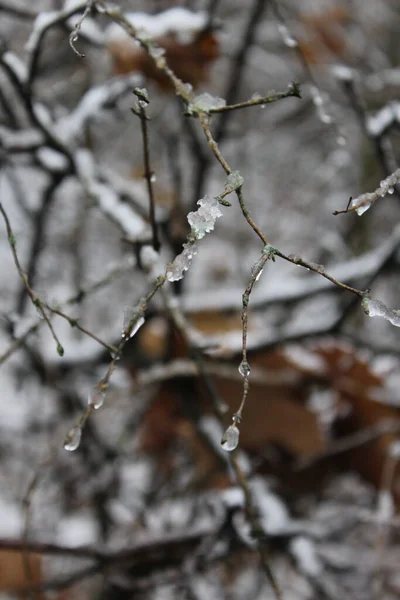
<point x="43" y="20"/>
<point x="182" y="23"/>
<point x="16" y="65"/>
<point x="304" y="358"/>
<point x="71" y="126"/>
<point x="384" y="118"/>
<point x="52" y="160"/>
<point x="107" y="199"/>
<point x="203" y="220"/>
<point x="273" y="515"/>
<point x="343" y="72"/>
<point x="303" y="550"/>
<point x="78" y="530"/>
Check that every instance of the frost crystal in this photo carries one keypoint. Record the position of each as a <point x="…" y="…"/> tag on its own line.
<point x="202" y="221"/>
<point x="362" y="203"/>
<point x="376" y="308"/>
<point x="182" y="262"/>
<point x="205" y="102"/>
<point x="230" y="439"/>
<point x="73" y="439"/>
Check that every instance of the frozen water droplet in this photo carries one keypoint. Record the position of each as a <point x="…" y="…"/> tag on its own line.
<point x="230" y="439"/>
<point x="73" y="439"/>
<point x="137" y="326"/>
<point x="295" y="258"/>
<point x="341" y="140"/>
<point x="153" y="178"/>
<point x="244" y="368"/>
<point x="96" y="397"/>
<point x="256" y="96"/>
<point x="391" y="190"/>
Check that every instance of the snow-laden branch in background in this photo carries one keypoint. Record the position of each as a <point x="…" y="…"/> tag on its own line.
<point x="363" y="202"/>
<point x="47" y="19"/>
<point x="71" y="127"/>
<point x="182" y="23"/>
<point x="385" y="118"/>
<point x="376" y="308"/>
<point x="106" y="198"/>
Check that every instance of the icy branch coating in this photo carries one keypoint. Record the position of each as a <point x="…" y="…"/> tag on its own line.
<point x="182" y="262"/>
<point x="365" y="201"/>
<point x="233" y="181"/>
<point x="205" y="102"/>
<point x="203" y="220"/>
<point x="376" y="308"/>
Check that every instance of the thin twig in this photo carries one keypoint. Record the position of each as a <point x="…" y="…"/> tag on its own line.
<point x="140" y="111"/>
<point x="36" y="301"/>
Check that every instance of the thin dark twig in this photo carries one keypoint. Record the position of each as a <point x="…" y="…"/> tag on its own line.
<point x="292" y="91"/>
<point x="140" y="111"/>
<point x="40" y="221"/>
<point x="33" y="296"/>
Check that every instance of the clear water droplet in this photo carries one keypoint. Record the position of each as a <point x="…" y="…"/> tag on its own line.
<point x="244" y="368"/>
<point x="391" y="190"/>
<point x="230" y="439"/>
<point x="153" y="178"/>
<point x="73" y="439"/>
<point x="96" y="397"/>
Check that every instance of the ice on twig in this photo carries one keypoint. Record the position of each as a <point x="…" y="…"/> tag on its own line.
<point x="205" y="102"/>
<point x="376" y="308"/>
<point x="362" y="203"/>
<point x="73" y="439"/>
<point x="234" y="181"/>
<point x="96" y="397"/>
<point x="182" y="262"/>
<point x="244" y="368"/>
<point x="203" y="220"/>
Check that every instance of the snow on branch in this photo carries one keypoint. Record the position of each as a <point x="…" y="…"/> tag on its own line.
<point x="107" y="199"/>
<point x="385" y="118"/>
<point x="70" y="127"/>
